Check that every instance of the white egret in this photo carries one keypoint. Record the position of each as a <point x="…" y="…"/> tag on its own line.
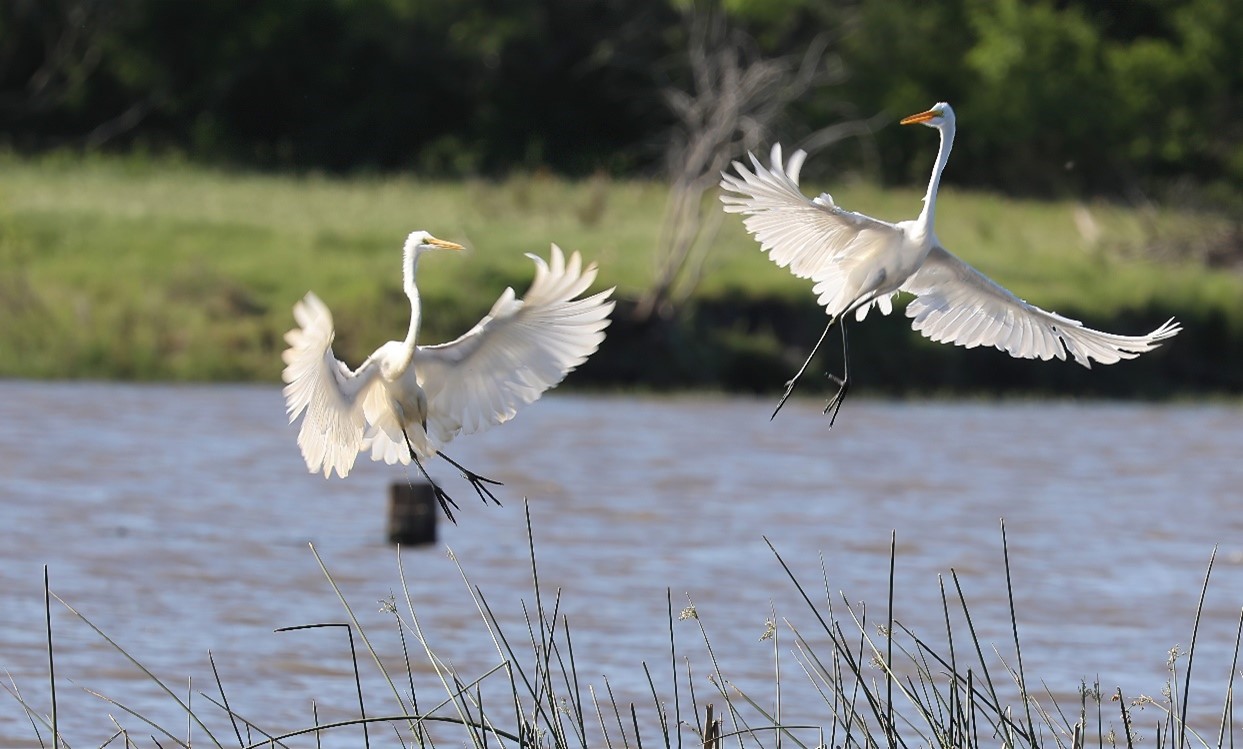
<point x="407" y="400"/>
<point x="857" y="262"/>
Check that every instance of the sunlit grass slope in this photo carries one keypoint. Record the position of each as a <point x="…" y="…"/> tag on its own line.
<point x="156" y="269"/>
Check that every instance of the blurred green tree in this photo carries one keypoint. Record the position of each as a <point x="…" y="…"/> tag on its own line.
<point x="1054" y="96"/>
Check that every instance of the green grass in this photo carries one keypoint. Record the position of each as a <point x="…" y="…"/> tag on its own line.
<point x="133" y="268"/>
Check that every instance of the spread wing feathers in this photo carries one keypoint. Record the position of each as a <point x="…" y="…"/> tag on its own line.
<point x="323" y="389"/>
<point x="519" y="350"/>
<point x="814" y="238"/>
<point x="957" y="304"/>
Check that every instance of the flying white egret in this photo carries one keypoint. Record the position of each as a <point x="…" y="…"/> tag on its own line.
<point x="406" y="400"/>
<point x="857" y="261"/>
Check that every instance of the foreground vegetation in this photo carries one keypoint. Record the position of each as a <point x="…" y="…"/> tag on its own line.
<point x="146" y="269"/>
<point x="881" y="685"/>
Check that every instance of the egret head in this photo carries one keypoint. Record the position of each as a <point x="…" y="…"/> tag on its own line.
<point x="940" y="115"/>
<point x="421" y="241"/>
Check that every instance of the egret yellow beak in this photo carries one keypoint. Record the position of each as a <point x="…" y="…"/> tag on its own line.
<point x="442" y="244"/>
<point x="915" y="119"/>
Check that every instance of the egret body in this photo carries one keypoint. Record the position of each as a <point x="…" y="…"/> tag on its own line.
<point x="857" y="262"/>
<point x="406" y="401"/>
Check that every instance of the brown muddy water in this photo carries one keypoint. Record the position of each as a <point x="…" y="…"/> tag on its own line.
<point x="177" y="519"/>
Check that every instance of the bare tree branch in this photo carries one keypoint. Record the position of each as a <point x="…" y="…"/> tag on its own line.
<point x="71" y="34"/>
<point x="735" y="97"/>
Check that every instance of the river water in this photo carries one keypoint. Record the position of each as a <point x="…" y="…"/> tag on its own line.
<point x="180" y="521"/>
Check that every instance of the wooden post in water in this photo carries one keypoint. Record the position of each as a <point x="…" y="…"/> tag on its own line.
<point x="411" y="513"/>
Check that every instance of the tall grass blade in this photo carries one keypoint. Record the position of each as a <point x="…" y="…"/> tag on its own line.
<point x="189" y="704"/>
<point x="51" y="661"/>
<point x="775" y="726"/>
<point x="776" y="667"/>
<point x="31" y="713"/>
<point x="673" y="672"/>
<point x="224" y="699"/>
<point x="1014" y="628"/>
<point x="889" y="727"/>
<point x="250" y="725"/>
<point x="604" y="729"/>
<point x="358" y="683"/>
<point x="690" y="685"/>
<point x="1126" y="721"/>
<point x="718" y="678"/>
<point x="621" y="728"/>
<point x="979" y="651"/>
<point x="435" y="662"/>
<point x="1191" y="651"/>
<point x="361" y="632"/>
<point x="1227" y="712"/>
<point x="140" y="667"/>
<point x="419" y="733"/>
<point x="953" y="709"/>
<point x="134" y="713"/>
<point x="372" y="721"/>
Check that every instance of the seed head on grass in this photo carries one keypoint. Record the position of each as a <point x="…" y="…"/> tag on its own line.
<point x="688" y="613"/>
<point x="770" y="630"/>
<point x="1091" y="692"/>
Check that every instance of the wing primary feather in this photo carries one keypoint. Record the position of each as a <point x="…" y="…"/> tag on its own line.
<point x="955" y="303"/>
<point x="516" y="353"/>
<point x="323" y="391"/>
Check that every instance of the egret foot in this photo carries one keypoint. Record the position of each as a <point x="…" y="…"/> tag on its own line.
<point x="843" y="382"/>
<point x="790" y="383"/>
<point x="835" y="403"/>
<point x="478" y="482"/>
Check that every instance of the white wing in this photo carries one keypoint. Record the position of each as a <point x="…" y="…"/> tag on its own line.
<point x="323" y="388"/>
<point x="515" y="353"/>
<point x="957" y="304"/>
<point x="814" y="238"/>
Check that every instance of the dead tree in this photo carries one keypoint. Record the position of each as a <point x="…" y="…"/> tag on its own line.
<point x="735" y="95"/>
<point x="66" y="39"/>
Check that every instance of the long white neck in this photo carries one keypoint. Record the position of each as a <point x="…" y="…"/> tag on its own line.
<point x="926" y="216"/>
<point x="409" y="266"/>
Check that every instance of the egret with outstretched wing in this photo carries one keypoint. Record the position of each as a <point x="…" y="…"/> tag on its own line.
<point x="857" y="262"/>
<point x="406" y="401"/>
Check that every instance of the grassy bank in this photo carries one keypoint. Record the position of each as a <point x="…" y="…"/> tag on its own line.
<point x="159" y="270"/>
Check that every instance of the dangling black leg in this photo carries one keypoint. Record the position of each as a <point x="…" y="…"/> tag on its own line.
<point x="478" y="482"/>
<point x="444" y="499"/>
<point x="794" y="380"/>
<point x="843" y="382"/>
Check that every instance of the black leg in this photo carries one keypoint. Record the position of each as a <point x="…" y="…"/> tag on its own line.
<point x="478" y="482"/>
<point x="843" y="382"/>
<point x="444" y="499"/>
<point x="794" y="380"/>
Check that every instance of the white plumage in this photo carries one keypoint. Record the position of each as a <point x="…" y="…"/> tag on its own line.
<point x="857" y="262"/>
<point x="431" y="394"/>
